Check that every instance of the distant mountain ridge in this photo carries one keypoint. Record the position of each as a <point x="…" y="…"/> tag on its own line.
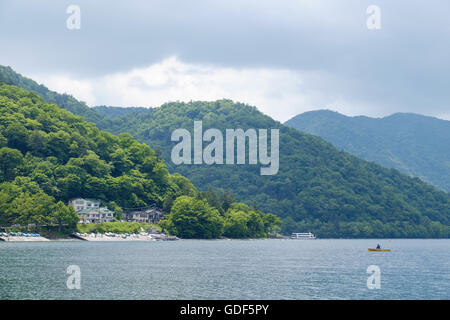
<point x="65" y="101"/>
<point x="116" y="112"/>
<point x="414" y="144"/>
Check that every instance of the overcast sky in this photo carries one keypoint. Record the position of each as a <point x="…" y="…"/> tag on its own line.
<point x="284" y="57"/>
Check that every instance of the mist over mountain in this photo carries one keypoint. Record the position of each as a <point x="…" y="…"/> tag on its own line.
<point x="411" y="143"/>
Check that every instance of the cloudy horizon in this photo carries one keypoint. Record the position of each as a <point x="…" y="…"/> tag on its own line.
<point x="284" y="57"/>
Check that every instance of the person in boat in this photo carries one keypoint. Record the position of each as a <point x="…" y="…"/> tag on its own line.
<point x="378" y="246"/>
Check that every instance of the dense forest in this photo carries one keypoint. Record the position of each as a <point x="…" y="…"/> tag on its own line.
<point x="318" y="188"/>
<point x="116" y="112"/>
<point x="196" y="218"/>
<point x="49" y="156"/>
<point x="414" y="144"/>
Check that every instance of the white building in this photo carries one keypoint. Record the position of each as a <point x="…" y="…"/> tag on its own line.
<point x="89" y="211"/>
<point x="93" y="215"/>
<point x="81" y="204"/>
<point x="149" y="215"/>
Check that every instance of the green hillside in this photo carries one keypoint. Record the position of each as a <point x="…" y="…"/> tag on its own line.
<point x="116" y="112"/>
<point x="318" y="188"/>
<point x="49" y="156"/>
<point x="414" y="144"/>
<point x="49" y="152"/>
<point x="65" y="101"/>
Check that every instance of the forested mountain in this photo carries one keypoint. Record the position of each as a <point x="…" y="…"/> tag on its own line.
<point x="414" y="144"/>
<point x="318" y="188"/>
<point x="9" y="76"/>
<point x="49" y="155"/>
<point x="116" y="112"/>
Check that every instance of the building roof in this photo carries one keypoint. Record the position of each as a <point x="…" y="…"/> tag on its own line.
<point x="148" y="211"/>
<point x="85" y="199"/>
<point x="87" y="210"/>
<point x="101" y="209"/>
<point x="105" y="210"/>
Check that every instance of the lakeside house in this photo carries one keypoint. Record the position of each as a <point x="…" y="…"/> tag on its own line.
<point x="89" y="211"/>
<point x="147" y="215"/>
<point x="99" y="215"/>
<point x="80" y="204"/>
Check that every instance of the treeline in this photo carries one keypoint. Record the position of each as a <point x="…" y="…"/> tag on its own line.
<point x="23" y="203"/>
<point x="371" y="229"/>
<point x="192" y="217"/>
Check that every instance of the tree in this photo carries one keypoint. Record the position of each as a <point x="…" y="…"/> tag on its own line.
<point x="32" y="209"/>
<point x="17" y="136"/>
<point x="120" y="162"/>
<point x="183" y="186"/>
<point x="255" y="224"/>
<point x="193" y="218"/>
<point x="3" y="141"/>
<point x="38" y="143"/>
<point x="10" y="159"/>
<point x="271" y="222"/>
<point x="227" y="199"/>
<point x="236" y="224"/>
<point x="243" y="222"/>
<point x="64" y="215"/>
<point x="8" y="192"/>
<point x="59" y="145"/>
<point x="118" y="211"/>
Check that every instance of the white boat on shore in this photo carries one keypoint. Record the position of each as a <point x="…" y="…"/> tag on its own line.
<point x="19" y="237"/>
<point x="111" y="236"/>
<point x="303" y="236"/>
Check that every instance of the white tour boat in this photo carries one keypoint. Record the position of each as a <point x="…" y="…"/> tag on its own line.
<point x="303" y="236"/>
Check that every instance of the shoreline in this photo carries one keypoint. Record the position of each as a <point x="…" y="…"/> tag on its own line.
<point x="115" y="237"/>
<point x="23" y="239"/>
<point x="144" y="238"/>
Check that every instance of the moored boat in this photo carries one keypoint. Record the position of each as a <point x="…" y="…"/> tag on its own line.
<point x="303" y="236"/>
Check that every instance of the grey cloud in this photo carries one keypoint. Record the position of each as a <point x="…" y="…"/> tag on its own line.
<point x="405" y="66"/>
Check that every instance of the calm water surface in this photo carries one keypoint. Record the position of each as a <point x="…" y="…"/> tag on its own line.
<point x="254" y="269"/>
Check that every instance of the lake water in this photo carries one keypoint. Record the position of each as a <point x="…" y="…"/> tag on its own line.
<point x="247" y="269"/>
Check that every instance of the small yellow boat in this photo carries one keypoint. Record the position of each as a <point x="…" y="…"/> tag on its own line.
<point x="379" y="250"/>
